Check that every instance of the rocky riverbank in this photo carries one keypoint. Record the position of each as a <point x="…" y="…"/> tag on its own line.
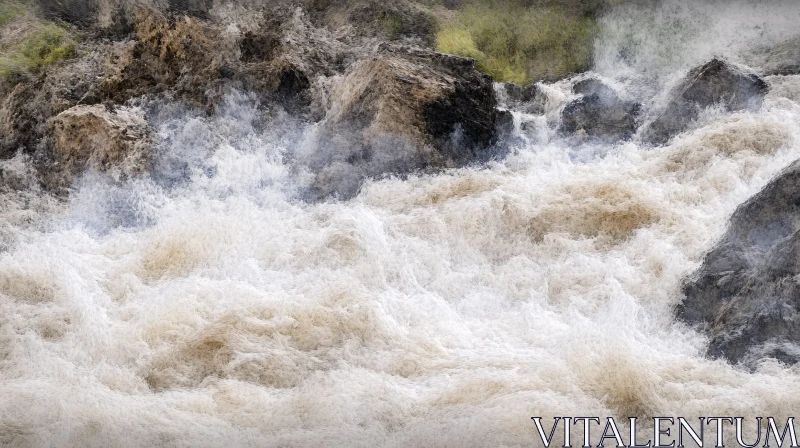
<point x="380" y="100"/>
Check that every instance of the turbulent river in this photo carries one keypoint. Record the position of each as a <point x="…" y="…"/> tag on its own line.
<point x="209" y="304"/>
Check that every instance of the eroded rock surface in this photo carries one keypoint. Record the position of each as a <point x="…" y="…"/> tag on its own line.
<point x="717" y="83"/>
<point x="401" y="110"/>
<point x="599" y="113"/>
<point x="530" y="99"/>
<point x="746" y="294"/>
<point x="116" y="141"/>
<point x="384" y="104"/>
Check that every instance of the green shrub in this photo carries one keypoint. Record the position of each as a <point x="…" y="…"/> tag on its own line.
<point x="10" y="10"/>
<point x="517" y="43"/>
<point x="43" y="44"/>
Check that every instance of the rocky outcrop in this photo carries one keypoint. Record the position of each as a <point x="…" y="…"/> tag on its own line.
<point x="199" y="61"/>
<point x="382" y="107"/>
<point x="112" y="140"/>
<point x="746" y="294"/>
<point x="599" y="113"/>
<point x="183" y="55"/>
<point x="717" y="83"/>
<point x="285" y="55"/>
<point x="401" y="110"/>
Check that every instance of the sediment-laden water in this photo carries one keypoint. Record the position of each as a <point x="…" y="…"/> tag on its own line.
<point x="210" y="304"/>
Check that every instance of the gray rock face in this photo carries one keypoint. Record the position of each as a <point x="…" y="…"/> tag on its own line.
<point x="716" y="83"/>
<point x="600" y="113"/>
<point x="530" y="99"/>
<point x="747" y="292"/>
<point x="403" y="109"/>
<point x="78" y="12"/>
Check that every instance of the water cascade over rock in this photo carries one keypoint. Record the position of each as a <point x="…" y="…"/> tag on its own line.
<point x="717" y="83"/>
<point x="117" y="141"/>
<point x="599" y="113"/>
<point x="745" y="295"/>
<point x="406" y="109"/>
<point x="294" y="223"/>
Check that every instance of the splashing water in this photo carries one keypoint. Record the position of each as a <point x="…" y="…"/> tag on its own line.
<point x="209" y="305"/>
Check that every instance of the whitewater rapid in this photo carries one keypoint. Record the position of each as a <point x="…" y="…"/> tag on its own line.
<point x="209" y="305"/>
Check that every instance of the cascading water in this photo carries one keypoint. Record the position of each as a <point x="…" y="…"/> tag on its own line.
<point x="210" y="304"/>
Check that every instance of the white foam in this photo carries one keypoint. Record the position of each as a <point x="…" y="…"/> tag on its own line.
<point x="218" y="309"/>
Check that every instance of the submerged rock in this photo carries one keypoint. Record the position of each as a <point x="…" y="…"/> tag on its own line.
<point x="401" y="110"/>
<point x="600" y="113"/>
<point x="746" y="294"/>
<point x="530" y="99"/>
<point x="116" y="141"/>
<point x="716" y="83"/>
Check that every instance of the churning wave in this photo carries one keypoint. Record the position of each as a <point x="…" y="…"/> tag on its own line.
<point x="211" y="304"/>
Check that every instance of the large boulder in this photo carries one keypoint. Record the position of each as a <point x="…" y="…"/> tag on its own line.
<point x="113" y="140"/>
<point x="401" y="110"/>
<point x="717" y="83"/>
<point x="746" y="294"/>
<point x="599" y="113"/>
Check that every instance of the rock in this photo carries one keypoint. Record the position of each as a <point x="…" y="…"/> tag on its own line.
<point x="114" y="141"/>
<point x="199" y="61"/>
<point x="591" y="86"/>
<point x="284" y="57"/>
<point x="530" y="99"/>
<point x="27" y="105"/>
<point x="505" y="127"/>
<point x="783" y="59"/>
<point x="180" y="55"/>
<point x="196" y="8"/>
<point x="716" y="83"/>
<point x="393" y="21"/>
<point x="76" y="12"/>
<point x="401" y="110"/>
<point x="600" y="113"/>
<point x="746" y="294"/>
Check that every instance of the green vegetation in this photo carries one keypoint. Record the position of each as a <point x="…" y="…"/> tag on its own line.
<point x="34" y="45"/>
<point x="515" y="42"/>
<point x="10" y="10"/>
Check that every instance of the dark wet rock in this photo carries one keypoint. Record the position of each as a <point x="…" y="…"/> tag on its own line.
<point x="599" y="113"/>
<point x="401" y="110"/>
<point x="182" y="55"/>
<point x="76" y="12"/>
<point x="591" y="86"/>
<point x="783" y="59"/>
<point x="505" y="128"/>
<point x="746" y="294"/>
<point x="196" y="8"/>
<point x="717" y="83"/>
<point x="285" y="56"/>
<point x="530" y="99"/>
